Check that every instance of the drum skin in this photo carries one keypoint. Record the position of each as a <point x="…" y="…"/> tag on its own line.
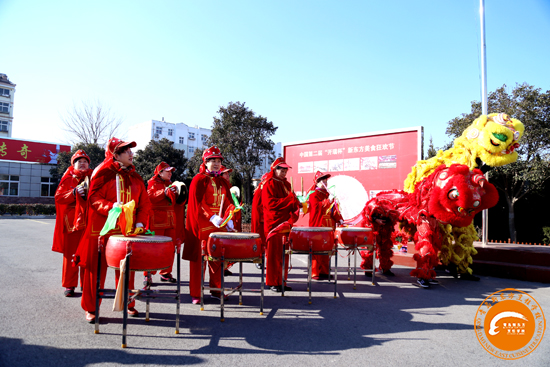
<point x="233" y="245"/>
<point x="148" y="252"/>
<point x="346" y="236"/>
<point x="322" y="238"/>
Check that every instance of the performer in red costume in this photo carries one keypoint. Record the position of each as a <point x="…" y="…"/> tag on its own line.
<point x="70" y="206"/>
<point x="208" y="191"/>
<point x="163" y="217"/>
<point x="280" y="205"/>
<point x="101" y="198"/>
<point x="257" y="222"/>
<point x="323" y="212"/>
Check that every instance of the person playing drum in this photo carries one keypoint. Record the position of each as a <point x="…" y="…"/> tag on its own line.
<point x="101" y="199"/>
<point x="237" y="217"/>
<point x="209" y="203"/>
<point x="162" y="220"/>
<point x="70" y="206"/>
<point x="323" y="212"/>
<point x="280" y="205"/>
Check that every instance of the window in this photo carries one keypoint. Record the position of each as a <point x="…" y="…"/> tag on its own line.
<point x="158" y="131"/>
<point x="4" y="92"/>
<point x="4" y="107"/>
<point x="181" y="139"/>
<point x="48" y="187"/>
<point x="9" y="185"/>
<point x="170" y="132"/>
<point x="4" y="125"/>
<point x="191" y="136"/>
<point x="204" y="138"/>
<point x="191" y="150"/>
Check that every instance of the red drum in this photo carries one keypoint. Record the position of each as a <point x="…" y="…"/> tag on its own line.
<point x="322" y="238"/>
<point x="148" y="252"/>
<point x="233" y="245"/>
<point x="346" y="236"/>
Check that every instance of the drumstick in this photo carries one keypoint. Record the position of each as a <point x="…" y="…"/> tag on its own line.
<point x="291" y="184"/>
<point x="221" y="205"/>
<point x="117" y="188"/>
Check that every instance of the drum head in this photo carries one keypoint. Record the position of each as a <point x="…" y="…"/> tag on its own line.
<point x="311" y="229"/>
<point x="353" y="229"/>
<point x="140" y="238"/>
<point x="234" y="235"/>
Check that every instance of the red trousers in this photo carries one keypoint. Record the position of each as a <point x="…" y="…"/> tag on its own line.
<point x="169" y="232"/>
<point x="274" y="261"/>
<point x="90" y="282"/>
<point x="214" y="273"/>
<point x="69" y="275"/>
<point x="320" y="264"/>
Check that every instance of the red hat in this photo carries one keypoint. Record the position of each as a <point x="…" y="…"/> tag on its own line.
<point x="320" y="175"/>
<point x="225" y="169"/>
<point x="80" y="154"/>
<point x="163" y="166"/>
<point x="279" y="162"/>
<point x="212" y="152"/>
<point x="116" y="144"/>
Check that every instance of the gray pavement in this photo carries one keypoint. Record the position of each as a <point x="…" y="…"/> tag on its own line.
<point x="392" y="323"/>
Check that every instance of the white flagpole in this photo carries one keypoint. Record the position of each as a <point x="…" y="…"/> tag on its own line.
<point x="485" y="213"/>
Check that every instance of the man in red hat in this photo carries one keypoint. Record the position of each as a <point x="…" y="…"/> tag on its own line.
<point x="209" y="203"/>
<point x="70" y="206"/>
<point x="164" y="200"/>
<point x="102" y="198"/>
<point x="280" y="205"/>
<point x="323" y="212"/>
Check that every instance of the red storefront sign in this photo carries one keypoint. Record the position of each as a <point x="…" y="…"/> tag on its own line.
<point x="360" y="165"/>
<point x="30" y="151"/>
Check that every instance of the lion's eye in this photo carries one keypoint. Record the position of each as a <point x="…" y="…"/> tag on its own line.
<point x="453" y="194"/>
<point x="501" y="137"/>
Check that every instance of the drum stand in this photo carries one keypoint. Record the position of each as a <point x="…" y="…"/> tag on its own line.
<point x="110" y="293"/>
<point x="310" y="254"/>
<point x="239" y="287"/>
<point x="355" y="249"/>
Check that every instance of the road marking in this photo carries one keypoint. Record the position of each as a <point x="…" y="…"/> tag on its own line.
<point x="37" y="221"/>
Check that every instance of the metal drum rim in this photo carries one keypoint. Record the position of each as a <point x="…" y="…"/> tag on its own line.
<point x="140" y="239"/>
<point x="353" y="229"/>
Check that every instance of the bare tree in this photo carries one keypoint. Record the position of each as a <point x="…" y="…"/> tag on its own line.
<point x="90" y="122"/>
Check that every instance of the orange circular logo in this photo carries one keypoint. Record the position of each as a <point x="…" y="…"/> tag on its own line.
<point x="509" y="324"/>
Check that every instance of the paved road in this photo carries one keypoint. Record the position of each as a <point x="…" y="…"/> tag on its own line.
<point x="392" y="323"/>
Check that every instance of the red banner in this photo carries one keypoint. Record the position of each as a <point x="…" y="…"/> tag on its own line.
<point x="361" y="166"/>
<point x="30" y="151"/>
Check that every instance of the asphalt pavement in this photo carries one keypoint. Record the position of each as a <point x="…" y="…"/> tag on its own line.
<point x="389" y="324"/>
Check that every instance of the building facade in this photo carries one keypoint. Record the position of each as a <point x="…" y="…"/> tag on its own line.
<point x="7" y="92"/>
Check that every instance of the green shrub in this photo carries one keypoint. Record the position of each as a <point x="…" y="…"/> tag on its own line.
<point x="546" y="235"/>
<point x="28" y="209"/>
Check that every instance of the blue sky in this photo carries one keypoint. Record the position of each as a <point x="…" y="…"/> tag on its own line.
<point x="316" y="69"/>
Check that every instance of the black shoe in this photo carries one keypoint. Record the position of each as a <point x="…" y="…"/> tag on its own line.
<point x="433" y="281"/>
<point x="276" y="288"/>
<point x="322" y="277"/>
<point x="227" y="273"/>
<point x="388" y="273"/>
<point x="167" y="278"/>
<point x="69" y="292"/>
<point x="422" y="283"/>
<point x="368" y="273"/>
<point x="259" y="266"/>
<point x="287" y="288"/>
<point x="451" y="269"/>
<point x="468" y="276"/>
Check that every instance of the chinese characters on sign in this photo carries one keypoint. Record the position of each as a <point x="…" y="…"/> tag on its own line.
<point x="30" y="151"/>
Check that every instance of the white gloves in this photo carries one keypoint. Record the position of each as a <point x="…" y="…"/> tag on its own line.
<point x="216" y="220"/>
<point x="80" y="191"/>
<point x="230" y="226"/>
<point x="139" y="225"/>
<point x="117" y="205"/>
<point x="340" y="222"/>
<point x="173" y="188"/>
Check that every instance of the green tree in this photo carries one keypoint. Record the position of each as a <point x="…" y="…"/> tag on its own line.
<point x="432" y="151"/>
<point x="528" y="175"/>
<point x="157" y="151"/>
<point x="94" y="151"/>
<point x="243" y="139"/>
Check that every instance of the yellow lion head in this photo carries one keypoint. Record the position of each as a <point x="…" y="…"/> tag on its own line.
<point x="493" y="138"/>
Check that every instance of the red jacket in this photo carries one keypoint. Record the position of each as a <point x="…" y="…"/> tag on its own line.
<point x="101" y="197"/>
<point x="279" y="203"/>
<point x="67" y="204"/>
<point x="320" y="212"/>
<point x="204" y="201"/>
<point x="163" y="215"/>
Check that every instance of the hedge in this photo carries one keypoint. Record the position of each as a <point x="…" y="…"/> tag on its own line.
<point x="28" y="209"/>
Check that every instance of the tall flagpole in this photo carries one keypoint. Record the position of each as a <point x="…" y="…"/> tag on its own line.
<point x="485" y="213"/>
